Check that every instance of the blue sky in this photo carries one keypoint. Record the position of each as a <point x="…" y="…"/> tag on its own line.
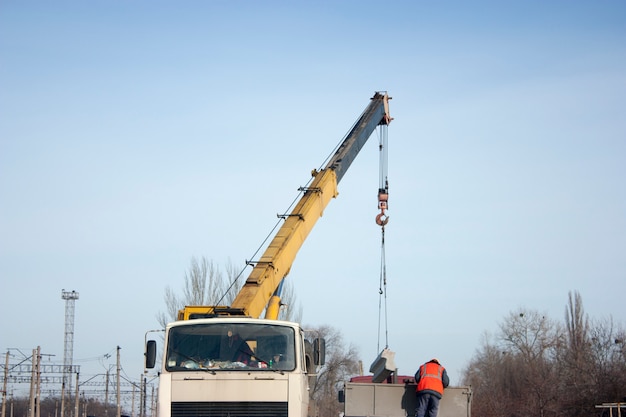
<point x="136" y="135"/>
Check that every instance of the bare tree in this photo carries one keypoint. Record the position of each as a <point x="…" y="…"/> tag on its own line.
<point x="577" y="326"/>
<point x="483" y="373"/>
<point x="341" y="363"/>
<point x="608" y="353"/>
<point x="536" y="367"/>
<point x="531" y="339"/>
<point x="574" y="361"/>
<point x="528" y="333"/>
<point x="514" y="376"/>
<point x="206" y="284"/>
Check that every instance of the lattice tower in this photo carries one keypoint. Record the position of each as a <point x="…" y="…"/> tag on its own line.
<point x="70" y="298"/>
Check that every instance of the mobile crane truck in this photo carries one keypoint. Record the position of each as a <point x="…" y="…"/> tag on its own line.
<point x="225" y="360"/>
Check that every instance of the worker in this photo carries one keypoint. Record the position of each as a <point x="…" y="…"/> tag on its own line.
<point x="282" y="362"/>
<point x="431" y="379"/>
<point x="235" y="348"/>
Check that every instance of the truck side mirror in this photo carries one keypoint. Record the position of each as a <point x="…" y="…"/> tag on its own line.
<point x="150" y="354"/>
<point x="319" y="351"/>
<point x="341" y="396"/>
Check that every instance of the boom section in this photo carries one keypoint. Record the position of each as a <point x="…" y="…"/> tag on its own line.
<point x="277" y="259"/>
<point x="376" y="113"/>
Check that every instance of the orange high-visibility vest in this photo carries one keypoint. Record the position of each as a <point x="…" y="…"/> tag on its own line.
<point x="430" y="378"/>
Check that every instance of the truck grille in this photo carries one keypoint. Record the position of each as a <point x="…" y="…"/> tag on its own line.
<point x="229" y="409"/>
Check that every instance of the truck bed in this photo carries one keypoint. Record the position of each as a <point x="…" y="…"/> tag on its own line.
<point x="398" y="400"/>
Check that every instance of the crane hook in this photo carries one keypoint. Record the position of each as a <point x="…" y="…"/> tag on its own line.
<point x="383" y="198"/>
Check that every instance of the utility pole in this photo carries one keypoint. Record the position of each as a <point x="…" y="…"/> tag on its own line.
<point x="38" y="395"/>
<point x="142" y="397"/>
<point x="31" y="397"/>
<point x="4" y="384"/>
<point x="106" y="395"/>
<point x="63" y="397"/>
<point x="77" y="399"/>
<point x="119" y="368"/>
<point x="132" y="407"/>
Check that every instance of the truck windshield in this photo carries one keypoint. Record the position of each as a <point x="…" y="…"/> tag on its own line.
<point x="230" y="346"/>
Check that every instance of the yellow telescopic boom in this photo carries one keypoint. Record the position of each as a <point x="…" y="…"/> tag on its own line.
<point x="274" y="265"/>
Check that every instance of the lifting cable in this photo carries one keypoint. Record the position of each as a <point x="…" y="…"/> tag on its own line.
<point x="382" y="219"/>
